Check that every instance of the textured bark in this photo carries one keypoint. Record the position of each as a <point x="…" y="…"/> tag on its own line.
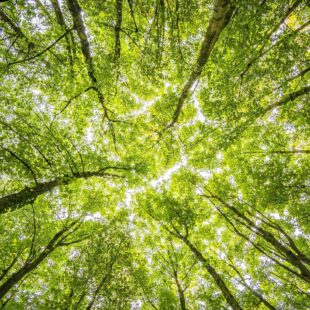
<point x="28" y="195"/>
<point x="225" y="291"/>
<point x="279" y="152"/>
<point x="58" y="13"/>
<point x="221" y="15"/>
<point x="79" y="26"/>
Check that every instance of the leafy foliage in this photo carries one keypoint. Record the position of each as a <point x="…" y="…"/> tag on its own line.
<point x="154" y="154"/>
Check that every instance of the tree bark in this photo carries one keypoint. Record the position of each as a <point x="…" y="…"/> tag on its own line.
<point x="93" y="299"/>
<point x="180" y="291"/>
<point x="254" y="292"/>
<point x="287" y="98"/>
<point x="239" y="129"/>
<point x="104" y="279"/>
<point x="79" y="26"/>
<point x="26" y="196"/>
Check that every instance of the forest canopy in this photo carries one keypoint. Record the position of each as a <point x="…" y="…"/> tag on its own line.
<point x="154" y="154"/>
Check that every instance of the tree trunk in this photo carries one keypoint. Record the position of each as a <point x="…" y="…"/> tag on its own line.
<point x="221" y="15"/>
<point x="216" y="277"/>
<point x="180" y="291"/>
<point x="80" y="28"/>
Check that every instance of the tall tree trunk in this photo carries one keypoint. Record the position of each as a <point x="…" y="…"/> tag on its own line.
<point x="221" y="15"/>
<point x="26" y="196"/>
<point x="180" y="291"/>
<point x="216" y="277"/>
<point x="80" y="28"/>
<point x="118" y="24"/>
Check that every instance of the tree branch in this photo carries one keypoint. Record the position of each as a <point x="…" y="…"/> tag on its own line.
<point x="42" y="52"/>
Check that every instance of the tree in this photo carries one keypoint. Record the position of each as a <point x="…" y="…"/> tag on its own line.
<point x="154" y="154"/>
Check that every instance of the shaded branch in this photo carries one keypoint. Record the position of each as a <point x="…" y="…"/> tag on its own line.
<point x="42" y="52"/>
<point x="239" y="129"/>
<point x="287" y="98"/>
<point x="23" y="162"/>
<point x="133" y="15"/>
<point x="283" y="251"/>
<point x="253" y="291"/>
<point x="215" y="276"/>
<point x="72" y="98"/>
<point x="78" y="25"/>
